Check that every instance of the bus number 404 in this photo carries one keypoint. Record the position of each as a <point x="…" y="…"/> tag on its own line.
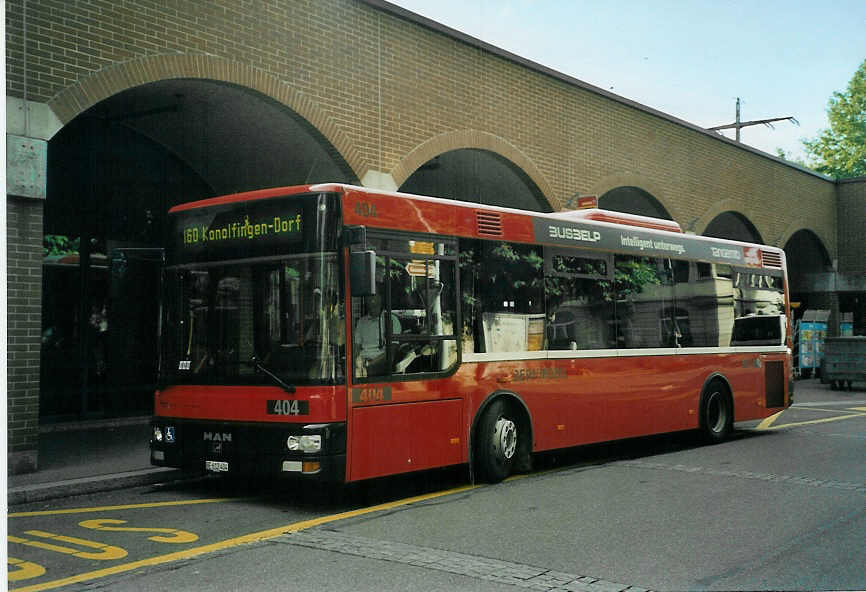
<point x="288" y="407"/>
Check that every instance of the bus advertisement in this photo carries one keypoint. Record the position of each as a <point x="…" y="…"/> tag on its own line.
<point x="338" y="333"/>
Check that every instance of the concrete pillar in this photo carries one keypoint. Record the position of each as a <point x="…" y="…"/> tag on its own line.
<point x="379" y="180"/>
<point x="29" y="126"/>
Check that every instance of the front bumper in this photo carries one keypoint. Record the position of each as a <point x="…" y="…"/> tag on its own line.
<point x="248" y="450"/>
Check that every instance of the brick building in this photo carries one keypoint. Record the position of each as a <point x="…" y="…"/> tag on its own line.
<point x="117" y="110"/>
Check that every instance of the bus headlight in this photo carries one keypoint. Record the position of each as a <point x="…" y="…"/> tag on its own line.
<point x="305" y="443"/>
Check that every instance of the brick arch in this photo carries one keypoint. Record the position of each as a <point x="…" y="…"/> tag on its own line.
<point x="470" y="139"/>
<point x="701" y="223"/>
<point x="76" y="99"/>
<point x="631" y="179"/>
<point x="797" y="226"/>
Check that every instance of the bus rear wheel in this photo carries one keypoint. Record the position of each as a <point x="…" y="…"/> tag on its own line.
<point x="497" y="442"/>
<point x="717" y="413"/>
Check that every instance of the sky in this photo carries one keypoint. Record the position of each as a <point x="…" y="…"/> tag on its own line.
<point x="690" y="59"/>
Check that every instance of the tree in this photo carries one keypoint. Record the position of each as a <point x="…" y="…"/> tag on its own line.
<point x="841" y="150"/>
<point x="790" y="158"/>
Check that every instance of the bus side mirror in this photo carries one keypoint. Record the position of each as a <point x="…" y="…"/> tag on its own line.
<point x="362" y="272"/>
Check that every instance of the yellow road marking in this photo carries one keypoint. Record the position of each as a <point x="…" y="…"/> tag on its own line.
<point x="828" y="410"/>
<point x="811" y="421"/>
<point x="174" y="535"/>
<point x="123" y="507"/>
<point x="105" y="552"/>
<point x="765" y="425"/>
<point x="237" y="541"/>
<point x="24" y="570"/>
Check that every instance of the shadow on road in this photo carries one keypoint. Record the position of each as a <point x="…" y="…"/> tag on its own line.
<point x="334" y="498"/>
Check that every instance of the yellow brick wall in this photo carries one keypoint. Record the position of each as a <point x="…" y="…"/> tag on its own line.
<point x="343" y="63"/>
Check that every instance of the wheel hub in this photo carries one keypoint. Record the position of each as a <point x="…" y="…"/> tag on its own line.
<point x="505" y="437"/>
<point x="716" y="416"/>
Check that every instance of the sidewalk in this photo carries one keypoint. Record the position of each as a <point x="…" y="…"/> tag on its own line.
<point x="87" y="457"/>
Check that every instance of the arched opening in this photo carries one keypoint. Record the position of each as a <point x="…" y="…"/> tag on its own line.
<point x="633" y="200"/>
<point x="808" y="265"/>
<point x="113" y="173"/>
<point x="478" y="176"/>
<point x="733" y="226"/>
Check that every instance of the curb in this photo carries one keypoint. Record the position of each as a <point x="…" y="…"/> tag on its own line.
<point x="45" y="491"/>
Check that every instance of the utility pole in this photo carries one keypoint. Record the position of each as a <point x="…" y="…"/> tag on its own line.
<point x="741" y="124"/>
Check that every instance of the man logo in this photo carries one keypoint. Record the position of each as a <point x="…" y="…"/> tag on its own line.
<point x="217" y="436"/>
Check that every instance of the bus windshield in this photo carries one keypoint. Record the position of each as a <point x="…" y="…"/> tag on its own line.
<point x="224" y="323"/>
<point x="252" y="293"/>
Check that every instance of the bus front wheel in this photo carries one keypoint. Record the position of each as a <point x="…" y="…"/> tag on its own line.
<point x="497" y="442"/>
<point x="717" y="413"/>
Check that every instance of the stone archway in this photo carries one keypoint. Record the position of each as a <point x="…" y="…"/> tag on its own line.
<point x="734" y="226"/>
<point x="488" y="152"/>
<point x="114" y="169"/>
<point x="806" y="256"/>
<point x="478" y="176"/>
<point x="101" y="85"/>
<point x="633" y="200"/>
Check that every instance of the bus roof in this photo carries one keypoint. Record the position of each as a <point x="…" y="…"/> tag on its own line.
<point x="445" y="216"/>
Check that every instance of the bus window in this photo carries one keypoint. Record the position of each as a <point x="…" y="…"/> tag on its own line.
<point x="374" y="330"/>
<point x="284" y="313"/>
<point x="758" y="306"/>
<point x="578" y="300"/>
<point x="676" y="327"/>
<point x="759" y="330"/>
<point x="503" y="296"/>
<point x="702" y="302"/>
<point x="644" y="287"/>
<point x="410" y="327"/>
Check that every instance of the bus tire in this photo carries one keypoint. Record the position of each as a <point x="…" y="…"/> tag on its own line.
<point x="717" y="413"/>
<point x="497" y="442"/>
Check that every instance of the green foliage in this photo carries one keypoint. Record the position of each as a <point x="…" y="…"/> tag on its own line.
<point x="505" y="271"/>
<point x="631" y="275"/>
<point x="841" y="150"/>
<point x="784" y="156"/>
<point x="58" y="244"/>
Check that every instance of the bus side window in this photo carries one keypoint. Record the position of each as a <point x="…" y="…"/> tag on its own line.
<point x="427" y="310"/>
<point x="645" y="288"/>
<point x="470" y="296"/>
<point x="510" y="297"/>
<point x="416" y="290"/>
<point x="578" y="299"/>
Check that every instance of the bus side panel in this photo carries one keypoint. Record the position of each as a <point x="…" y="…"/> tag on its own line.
<point x="586" y="400"/>
<point x="760" y="387"/>
<point x="389" y="439"/>
<point x="580" y="401"/>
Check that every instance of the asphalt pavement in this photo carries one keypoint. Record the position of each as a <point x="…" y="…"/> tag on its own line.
<point x="87" y="457"/>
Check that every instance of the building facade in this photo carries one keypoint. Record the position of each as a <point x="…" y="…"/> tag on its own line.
<point x="118" y="110"/>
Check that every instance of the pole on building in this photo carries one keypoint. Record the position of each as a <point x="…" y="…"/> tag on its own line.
<point x="738" y="124"/>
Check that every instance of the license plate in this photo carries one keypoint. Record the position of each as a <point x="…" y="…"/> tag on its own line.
<point x="216" y="466"/>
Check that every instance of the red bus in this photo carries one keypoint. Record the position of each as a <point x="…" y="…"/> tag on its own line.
<point x="340" y="333"/>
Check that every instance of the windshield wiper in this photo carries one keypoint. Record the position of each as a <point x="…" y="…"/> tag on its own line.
<point x="257" y="364"/>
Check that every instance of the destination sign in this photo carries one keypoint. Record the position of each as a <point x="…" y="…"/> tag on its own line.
<point x="229" y="231"/>
<point x="634" y="240"/>
<point x="250" y="229"/>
